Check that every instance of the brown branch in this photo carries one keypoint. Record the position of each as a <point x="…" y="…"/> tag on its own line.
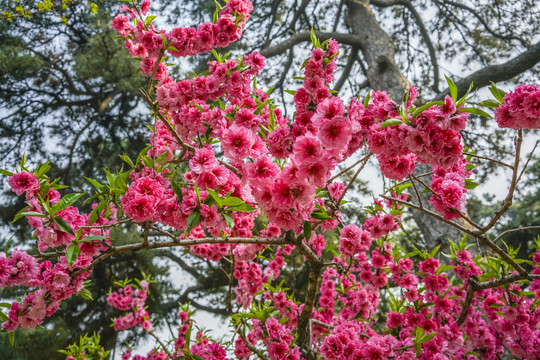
<point x="489" y="159"/>
<point x="483" y="22"/>
<point x="175" y="243"/>
<point x="512" y="231"/>
<point x="347" y="69"/>
<point x="366" y="158"/>
<point x="507" y="202"/>
<point x="497" y="73"/>
<point x="161" y="344"/>
<point x="297" y="38"/>
<point x="423" y="31"/>
<point x="146" y="97"/>
<point x="347" y="169"/>
<point x="476" y="286"/>
<point x="249" y="345"/>
<point x="507" y="258"/>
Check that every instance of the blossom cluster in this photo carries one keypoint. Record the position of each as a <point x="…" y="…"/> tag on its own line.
<point x="132" y="300"/>
<point x="245" y="159"/>
<point x="521" y="108"/>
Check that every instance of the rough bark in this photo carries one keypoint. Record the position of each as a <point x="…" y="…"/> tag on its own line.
<point x="496" y="73"/>
<point x="383" y="74"/>
<point x="377" y="49"/>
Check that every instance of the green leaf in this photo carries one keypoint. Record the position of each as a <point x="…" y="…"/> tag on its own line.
<point x="232" y="201"/>
<point x="435" y="250"/>
<point x="242" y="208"/>
<point x="177" y="190"/>
<point x="230" y="221"/>
<point x="43" y="169"/>
<point x="5" y="172"/>
<point x="429" y="337"/>
<point x="498" y="93"/>
<point x="444" y="268"/>
<point x="72" y="253"/>
<point x="390" y="122"/>
<point x="6" y="305"/>
<point x="85" y="294"/>
<point x="66" y="201"/>
<point x="149" y="20"/>
<point x="63" y="225"/>
<point x="452" y="87"/>
<point x="424" y="107"/>
<point x="28" y="213"/>
<point x="291" y="92"/>
<point x="96" y="184"/>
<point x="3" y="316"/>
<point x="193" y="220"/>
<point x="215" y="196"/>
<point x="127" y="159"/>
<point x="320" y="216"/>
<point x="466" y="97"/>
<point x="470" y="184"/>
<point x="23" y="160"/>
<point x="366" y="99"/>
<point x="307" y="230"/>
<point x="93" y="237"/>
<point x="314" y="39"/>
<point x="475" y="111"/>
<point x="490" y="103"/>
<point x="12" y="338"/>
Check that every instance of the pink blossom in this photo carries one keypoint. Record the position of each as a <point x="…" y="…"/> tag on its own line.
<point x="23" y="181"/>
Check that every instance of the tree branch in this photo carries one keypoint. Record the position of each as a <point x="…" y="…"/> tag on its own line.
<point x="297" y="38"/>
<point x="497" y="73"/>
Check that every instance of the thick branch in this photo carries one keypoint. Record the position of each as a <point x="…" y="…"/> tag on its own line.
<point x="423" y="32"/>
<point x="378" y="50"/>
<point x="497" y="73"/>
<point x="297" y="38"/>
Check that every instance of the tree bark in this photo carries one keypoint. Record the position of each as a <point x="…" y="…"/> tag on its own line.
<point x="378" y="50"/>
<point x="383" y="74"/>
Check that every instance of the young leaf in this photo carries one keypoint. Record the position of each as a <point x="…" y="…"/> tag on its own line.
<point x="452" y="87"/>
<point x="63" y="225"/>
<point x="72" y="253"/>
<point x="424" y="107"/>
<point x="28" y="213"/>
<point x="475" y="111"/>
<point x="5" y="172"/>
<point x="12" y="338"/>
<point x="230" y="221"/>
<point x="232" y="201"/>
<point x="390" y="122"/>
<point x="498" y="93"/>
<point x="85" y="294"/>
<point x="490" y="103"/>
<point x="366" y="99"/>
<point x="193" y="220"/>
<point x="66" y="201"/>
<point x="307" y="230"/>
<point x="470" y="184"/>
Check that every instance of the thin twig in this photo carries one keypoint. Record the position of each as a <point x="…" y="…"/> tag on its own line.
<point x="489" y="159"/>
<point x="507" y="258"/>
<point x="161" y="344"/>
<point x="416" y="191"/>
<point x="366" y="158"/>
<point x="507" y="202"/>
<point x="347" y="169"/>
<point x="511" y="231"/>
<point x="146" y="97"/>
<point x="249" y="345"/>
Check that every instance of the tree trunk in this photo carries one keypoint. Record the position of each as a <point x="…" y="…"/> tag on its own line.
<point x="378" y="50"/>
<point x="383" y="74"/>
